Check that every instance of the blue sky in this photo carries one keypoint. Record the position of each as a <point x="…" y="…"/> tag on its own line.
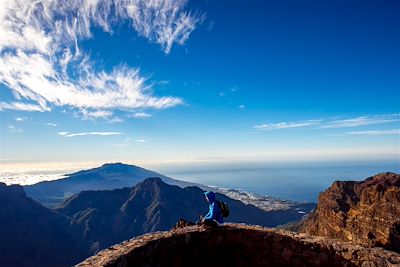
<point x="199" y="80"/>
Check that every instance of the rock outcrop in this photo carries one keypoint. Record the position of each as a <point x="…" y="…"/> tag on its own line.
<point x="239" y="245"/>
<point x="366" y="212"/>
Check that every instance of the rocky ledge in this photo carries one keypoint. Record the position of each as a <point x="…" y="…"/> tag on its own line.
<point x="239" y="245"/>
<point x="367" y="212"/>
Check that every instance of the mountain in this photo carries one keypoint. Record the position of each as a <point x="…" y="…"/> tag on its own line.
<point x="108" y="176"/>
<point x="111" y="216"/>
<point x="366" y="212"/>
<point x="117" y="175"/>
<point x="32" y="235"/>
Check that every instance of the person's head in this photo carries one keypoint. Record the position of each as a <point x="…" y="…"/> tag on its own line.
<point x="210" y="196"/>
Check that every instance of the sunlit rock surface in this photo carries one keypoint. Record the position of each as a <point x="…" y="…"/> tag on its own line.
<point x="238" y="245"/>
<point x="366" y="212"/>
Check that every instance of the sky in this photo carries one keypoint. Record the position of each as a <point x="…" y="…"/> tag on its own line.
<point x="198" y="81"/>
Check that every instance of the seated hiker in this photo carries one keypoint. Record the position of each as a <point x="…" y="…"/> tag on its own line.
<point x="214" y="215"/>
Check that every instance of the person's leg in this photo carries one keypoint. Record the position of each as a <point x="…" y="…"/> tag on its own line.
<point x="210" y="222"/>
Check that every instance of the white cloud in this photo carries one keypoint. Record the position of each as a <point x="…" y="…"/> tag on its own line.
<point x="115" y="120"/>
<point x="14" y="129"/>
<point x="20" y="119"/>
<point x="22" y="106"/>
<point x="41" y="60"/>
<point x="87" y="115"/>
<point x="332" y="123"/>
<point x="384" y="132"/>
<point x="69" y="134"/>
<point x="140" y="115"/>
<point x="287" y="125"/>
<point x="51" y="124"/>
<point x="129" y="142"/>
<point x="242" y="106"/>
<point x="361" y="121"/>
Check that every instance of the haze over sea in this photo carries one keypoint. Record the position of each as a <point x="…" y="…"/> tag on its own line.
<point x="298" y="181"/>
<point x="293" y="181"/>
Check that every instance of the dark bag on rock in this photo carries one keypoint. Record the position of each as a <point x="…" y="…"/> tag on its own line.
<point x="224" y="209"/>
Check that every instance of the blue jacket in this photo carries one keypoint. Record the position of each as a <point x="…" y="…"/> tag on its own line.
<point x="214" y="212"/>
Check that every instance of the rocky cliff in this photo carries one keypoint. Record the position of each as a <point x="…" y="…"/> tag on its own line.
<point x="239" y="245"/>
<point x="366" y="212"/>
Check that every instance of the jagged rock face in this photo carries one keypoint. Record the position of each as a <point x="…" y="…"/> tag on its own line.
<point x="366" y="212"/>
<point x="239" y="245"/>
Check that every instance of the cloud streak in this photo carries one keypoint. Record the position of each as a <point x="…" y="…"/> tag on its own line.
<point x="69" y="134"/>
<point x="287" y="125"/>
<point x="43" y="65"/>
<point x="331" y="123"/>
<point x="385" y="132"/>
<point x="140" y="115"/>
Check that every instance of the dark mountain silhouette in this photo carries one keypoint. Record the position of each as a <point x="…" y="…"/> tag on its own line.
<point x="108" y="217"/>
<point x="32" y="235"/>
<point x="108" y="176"/>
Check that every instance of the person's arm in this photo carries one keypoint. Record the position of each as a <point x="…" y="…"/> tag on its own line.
<point x="211" y="212"/>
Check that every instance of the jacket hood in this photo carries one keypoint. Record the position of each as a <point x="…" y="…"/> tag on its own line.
<point x="210" y="196"/>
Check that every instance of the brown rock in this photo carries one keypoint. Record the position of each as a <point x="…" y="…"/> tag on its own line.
<point x="366" y="212"/>
<point x="222" y="247"/>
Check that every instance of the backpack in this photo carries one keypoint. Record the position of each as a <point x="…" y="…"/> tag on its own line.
<point x="224" y="209"/>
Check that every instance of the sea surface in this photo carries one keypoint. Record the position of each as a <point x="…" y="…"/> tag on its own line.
<point x="292" y="181"/>
<point x="285" y="180"/>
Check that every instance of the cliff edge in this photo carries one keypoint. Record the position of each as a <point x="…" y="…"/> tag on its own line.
<point x="366" y="212"/>
<point x="238" y="245"/>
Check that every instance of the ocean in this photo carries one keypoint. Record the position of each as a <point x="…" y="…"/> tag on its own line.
<point x="293" y="181"/>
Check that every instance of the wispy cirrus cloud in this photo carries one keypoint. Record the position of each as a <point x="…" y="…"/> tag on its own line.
<point x="69" y="134"/>
<point x="140" y="115"/>
<point x="129" y="142"/>
<point x="43" y="65"/>
<point x="377" y="132"/>
<point x="20" y="119"/>
<point x="287" y="125"/>
<point x="22" y="106"/>
<point x="332" y="123"/>
<point x="14" y="129"/>
<point x="361" y="121"/>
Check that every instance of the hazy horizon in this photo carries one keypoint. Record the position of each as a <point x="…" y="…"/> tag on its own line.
<point x="294" y="180"/>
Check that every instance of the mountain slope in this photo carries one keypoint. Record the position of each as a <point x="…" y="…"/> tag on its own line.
<point x="108" y="217"/>
<point x="32" y="235"/>
<point x="108" y="176"/>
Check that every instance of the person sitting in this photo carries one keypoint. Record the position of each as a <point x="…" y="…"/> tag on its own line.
<point x="214" y="216"/>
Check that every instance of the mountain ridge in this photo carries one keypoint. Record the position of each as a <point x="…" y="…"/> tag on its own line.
<point x="153" y="205"/>
<point x="118" y="175"/>
<point x="107" y="176"/>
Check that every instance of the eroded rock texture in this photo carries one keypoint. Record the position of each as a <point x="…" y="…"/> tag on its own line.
<point x="366" y="212"/>
<point x="239" y="245"/>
